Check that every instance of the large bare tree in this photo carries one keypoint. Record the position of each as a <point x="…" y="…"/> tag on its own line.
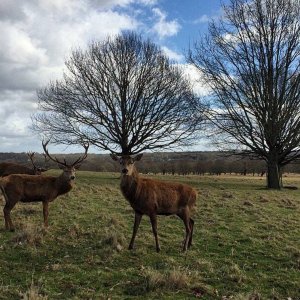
<point x="250" y="59"/>
<point x="121" y="94"/>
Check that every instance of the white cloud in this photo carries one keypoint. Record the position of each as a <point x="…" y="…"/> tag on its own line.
<point x="194" y="76"/>
<point x="172" y="54"/>
<point x="206" y="18"/>
<point x="162" y="27"/>
<point x="148" y="2"/>
<point x="16" y="108"/>
<point x="35" y="47"/>
<point x="18" y="47"/>
<point x="11" y="10"/>
<point x="202" y="19"/>
<point x="36" y="37"/>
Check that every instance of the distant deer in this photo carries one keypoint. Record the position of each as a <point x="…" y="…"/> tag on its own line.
<point x="8" y="168"/>
<point x="28" y="188"/>
<point x="153" y="197"/>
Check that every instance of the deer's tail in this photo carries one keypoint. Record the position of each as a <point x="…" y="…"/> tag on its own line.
<point x="192" y="198"/>
<point x="2" y="189"/>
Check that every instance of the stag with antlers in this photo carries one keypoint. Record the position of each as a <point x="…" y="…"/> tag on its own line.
<point x="28" y="188"/>
<point x="8" y="168"/>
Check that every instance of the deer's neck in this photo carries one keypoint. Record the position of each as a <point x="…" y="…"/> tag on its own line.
<point x="129" y="185"/>
<point x="63" y="185"/>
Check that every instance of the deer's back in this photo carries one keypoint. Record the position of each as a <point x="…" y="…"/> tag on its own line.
<point x="11" y="168"/>
<point x="29" y="188"/>
<point x="161" y="197"/>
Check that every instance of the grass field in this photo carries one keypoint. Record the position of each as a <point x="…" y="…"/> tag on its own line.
<point x="246" y="245"/>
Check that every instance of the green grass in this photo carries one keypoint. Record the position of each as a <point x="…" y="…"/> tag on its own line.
<point x="246" y="245"/>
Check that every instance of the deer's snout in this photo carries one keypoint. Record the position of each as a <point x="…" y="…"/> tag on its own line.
<point x="72" y="177"/>
<point x="125" y="171"/>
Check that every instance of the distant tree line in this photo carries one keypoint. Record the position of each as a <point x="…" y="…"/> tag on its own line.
<point x="186" y="163"/>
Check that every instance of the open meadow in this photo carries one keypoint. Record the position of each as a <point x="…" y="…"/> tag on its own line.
<point x="246" y="244"/>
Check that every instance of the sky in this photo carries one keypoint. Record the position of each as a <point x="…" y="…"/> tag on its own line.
<point x="37" y="36"/>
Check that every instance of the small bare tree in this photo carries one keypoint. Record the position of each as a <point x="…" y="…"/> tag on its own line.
<point x="122" y="95"/>
<point x="251" y="61"/>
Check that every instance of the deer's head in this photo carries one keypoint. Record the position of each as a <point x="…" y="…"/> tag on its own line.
<point x="37" y="170"/>
<point x="126" y="163"/>
<point x="69" y="169"/>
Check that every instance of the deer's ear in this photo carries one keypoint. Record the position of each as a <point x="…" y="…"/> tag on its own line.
<point x="114" y="156"/>
<point x="138" y="157"/>
<point x="77" y="166"/>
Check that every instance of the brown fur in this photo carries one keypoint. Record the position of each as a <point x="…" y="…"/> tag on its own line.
<point x="154" y="197"/>
<point x="8" y="168"/>
<point x="29" y="188"/>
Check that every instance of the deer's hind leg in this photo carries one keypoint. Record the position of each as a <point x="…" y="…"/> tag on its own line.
<point x="45" y="212"/>
<point x="192" y="230"/>
<point x="185" y="216"/>
<point x="153" y="220"/>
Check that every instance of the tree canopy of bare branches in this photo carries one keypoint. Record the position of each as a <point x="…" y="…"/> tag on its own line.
<point x="122" y="94"/>
<point x="250" y="59"/>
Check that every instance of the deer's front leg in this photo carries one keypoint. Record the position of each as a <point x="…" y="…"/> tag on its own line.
<point x="6" y="210"/>
<point x="45" y="212"/>
<point x="137" y="221"/>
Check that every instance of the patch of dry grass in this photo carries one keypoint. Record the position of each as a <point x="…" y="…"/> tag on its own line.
<point x="113" y="236"/>
<point x="29" y="235"/>
<point x="33" y="293"/>
<point x="174" y="279"/>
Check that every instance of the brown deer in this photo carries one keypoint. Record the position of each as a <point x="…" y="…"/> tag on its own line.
<point x="153" y="197"/>
<point x="28" y="188"/>
<point x="8" y="168"/>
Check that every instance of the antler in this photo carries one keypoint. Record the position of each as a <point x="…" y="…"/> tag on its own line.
<point x="31" y="155"/>
<point x="46" y="158"/>
<point x="82" y="158"/>
<point x="64" y="163"/>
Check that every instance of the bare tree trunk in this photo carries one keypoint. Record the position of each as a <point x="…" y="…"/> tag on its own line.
<point x="273" y="176"/>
